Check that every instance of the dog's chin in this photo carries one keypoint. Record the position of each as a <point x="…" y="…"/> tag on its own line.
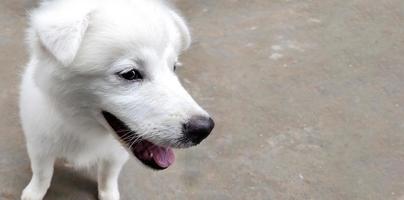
<point x="152" y="155"/>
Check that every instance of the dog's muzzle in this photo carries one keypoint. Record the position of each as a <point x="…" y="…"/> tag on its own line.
<point x="153" y="155"/>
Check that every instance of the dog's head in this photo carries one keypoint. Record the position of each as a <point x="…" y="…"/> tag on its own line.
<point x="117" y="58"/>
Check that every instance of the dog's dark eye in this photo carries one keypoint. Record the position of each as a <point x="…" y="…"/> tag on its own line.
<point x="131" y="75"/>
<point x="176" y="65"/>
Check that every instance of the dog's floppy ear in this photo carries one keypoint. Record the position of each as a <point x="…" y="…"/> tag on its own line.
<point x="59" y="31"/>
<point x="183" y="29"/>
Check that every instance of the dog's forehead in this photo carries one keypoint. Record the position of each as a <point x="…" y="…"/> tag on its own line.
<point x="116" y="32"/>
<point x="131" y="25"/>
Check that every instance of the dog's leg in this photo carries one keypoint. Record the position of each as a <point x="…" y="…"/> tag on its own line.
<point x="108" y="173"/>
<point x="42" y="171"/>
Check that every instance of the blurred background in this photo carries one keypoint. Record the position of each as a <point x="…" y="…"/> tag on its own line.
<point x="307" y="95"/>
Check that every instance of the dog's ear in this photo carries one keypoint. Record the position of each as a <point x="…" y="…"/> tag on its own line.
<point x="60" y="31"/>
<point x="183" y="30"/>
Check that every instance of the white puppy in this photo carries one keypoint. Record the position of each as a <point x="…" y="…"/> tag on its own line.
<point x="101" y="83"/>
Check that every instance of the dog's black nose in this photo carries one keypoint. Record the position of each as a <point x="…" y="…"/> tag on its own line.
<point x="198" y="128"/>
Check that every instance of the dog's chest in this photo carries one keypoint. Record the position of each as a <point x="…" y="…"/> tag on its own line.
<point x="86" y="150"/>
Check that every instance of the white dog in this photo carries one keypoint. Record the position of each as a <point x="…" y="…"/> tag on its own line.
<point x="101" y="83"/>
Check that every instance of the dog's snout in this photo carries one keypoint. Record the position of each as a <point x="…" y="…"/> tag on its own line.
<point x="198" y="128"/>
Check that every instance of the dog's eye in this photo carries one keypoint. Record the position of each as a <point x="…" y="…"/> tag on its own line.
<point x="176" y="65"/>
<point x="131" y="75"/>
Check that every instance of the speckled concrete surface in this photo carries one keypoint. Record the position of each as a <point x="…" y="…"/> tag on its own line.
<point x="308" y="97"/>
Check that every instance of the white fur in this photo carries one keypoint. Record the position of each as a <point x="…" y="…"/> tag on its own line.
<point x="77" y="47"/>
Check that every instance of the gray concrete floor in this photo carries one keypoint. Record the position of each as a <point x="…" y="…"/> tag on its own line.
<point x="308" y="97"/>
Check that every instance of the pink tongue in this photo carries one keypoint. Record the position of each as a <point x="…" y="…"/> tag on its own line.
<point x="163" y="156"/>
<point x="149" y="152"/>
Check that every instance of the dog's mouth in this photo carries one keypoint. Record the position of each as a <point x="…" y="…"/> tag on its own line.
<point x="152" y="155"/>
